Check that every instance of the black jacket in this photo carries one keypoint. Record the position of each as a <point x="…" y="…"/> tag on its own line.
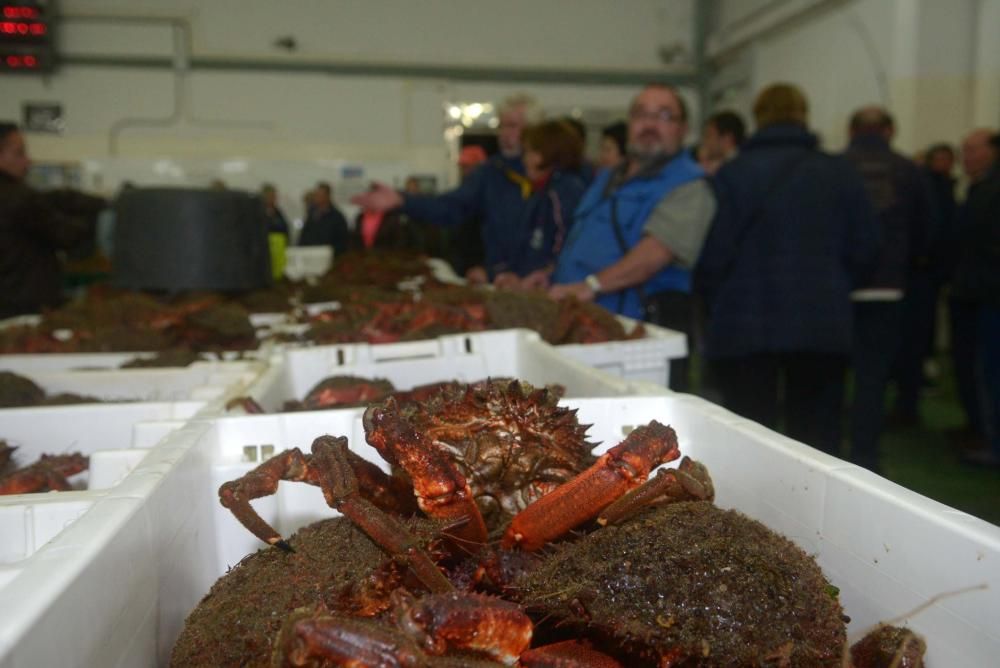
<point x="33" y="226"/>
<point x="901" y="197"/>
<point x="977" y="276"/>
<point x="326" y="228"/>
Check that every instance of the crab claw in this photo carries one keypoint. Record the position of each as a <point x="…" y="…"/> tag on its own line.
<point x="442" y="491"/>
<point x="620" y="469"/>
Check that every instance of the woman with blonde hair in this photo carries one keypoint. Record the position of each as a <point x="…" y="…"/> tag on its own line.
<point x="794" y="233"/>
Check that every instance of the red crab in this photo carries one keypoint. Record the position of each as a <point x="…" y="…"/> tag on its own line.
<point x="444" y="494"/>
<point x="49" y="473"/>
<point x="5" y="454"/>
<point x="347" y="392"/>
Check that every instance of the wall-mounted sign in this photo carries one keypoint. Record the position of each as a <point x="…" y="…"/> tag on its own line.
<point x="26" y="36"/>
<point x="42" y="117"/>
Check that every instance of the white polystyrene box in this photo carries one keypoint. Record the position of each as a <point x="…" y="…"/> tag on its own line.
<point x="89" y="596"/>
<point x="30" y="363"/>
<point x="646" y="359"/>
<point x="472" y="357"/>
<point x="889" y="550"/>
<point x="198" y="381"/>
<point x="90" y="429"/>
<point x="307" y="261"/>
<point x="26" y="527"/>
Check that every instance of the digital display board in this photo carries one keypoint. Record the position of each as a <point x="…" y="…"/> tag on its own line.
<point x="26" y="36"/>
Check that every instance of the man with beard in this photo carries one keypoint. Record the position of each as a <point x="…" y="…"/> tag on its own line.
<point x="639" y="228"/>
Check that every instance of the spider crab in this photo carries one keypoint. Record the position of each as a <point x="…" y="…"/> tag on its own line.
<point x="482" y="466"/>
<point x="346" y="392"/>
<point x="502" y="471"/>
<point x="49" y="473"/>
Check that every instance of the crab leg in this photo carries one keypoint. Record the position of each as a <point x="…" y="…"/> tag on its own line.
<point x="442" y="491"/>
<point x="306" y="639"/>
<point x="688" y="482"/>
<point x="263" y="481"/>
<point x="389" y="493"/>
<point x="329" y="467"/>
<point x="340" y="488"/>
<point x="385" y="492"/>
<point x="618" y="470"/>
<point x="567" y="654"/>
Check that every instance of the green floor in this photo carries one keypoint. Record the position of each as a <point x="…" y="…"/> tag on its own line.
<point x="922" y="459"/>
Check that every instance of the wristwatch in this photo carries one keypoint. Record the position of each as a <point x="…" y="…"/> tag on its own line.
<point x="593" y="283"/>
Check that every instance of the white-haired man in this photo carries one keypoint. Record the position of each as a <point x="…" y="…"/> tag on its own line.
<point x="493" y="193"/>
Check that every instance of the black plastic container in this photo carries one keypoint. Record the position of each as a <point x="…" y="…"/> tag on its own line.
<point x="175" y="239"/>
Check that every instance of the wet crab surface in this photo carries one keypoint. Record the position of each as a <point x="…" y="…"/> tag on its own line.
<point x="712" y="586"/>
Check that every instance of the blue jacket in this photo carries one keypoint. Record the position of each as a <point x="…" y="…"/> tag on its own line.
<point x="592" y="244"/>
<point x="783" y="283"/>
<point x="494" y="193"/>
<point x="545" y="222"/>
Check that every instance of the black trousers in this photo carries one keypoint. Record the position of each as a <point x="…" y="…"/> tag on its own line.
<point x="916" y="341"/>
<point x="673" y="310"/>
<point x="802" y="390"/>
<point x="963" y="321"/>
<point x="877" y="333"/>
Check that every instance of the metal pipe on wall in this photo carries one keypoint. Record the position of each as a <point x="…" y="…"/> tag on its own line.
<point x="180" y="63"/>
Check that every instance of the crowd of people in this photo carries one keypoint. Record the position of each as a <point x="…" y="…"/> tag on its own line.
<point x="790" y="269"/>
<point x="787" y="267"/>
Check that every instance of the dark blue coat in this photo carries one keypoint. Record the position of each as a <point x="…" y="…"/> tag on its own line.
<point x="783" y="283"/>
<point x="545" y="221"/>
<point x="494" y="193"/>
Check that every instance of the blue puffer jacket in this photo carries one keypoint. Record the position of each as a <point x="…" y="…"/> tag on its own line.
<point x="783" y="283"/>
<point x="592" y="244"/>
<point x="546" y="220"/>
<point x="494" y="193"/>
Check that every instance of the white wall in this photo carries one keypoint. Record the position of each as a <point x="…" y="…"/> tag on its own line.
<point x="300" y="122"/>
<point x="934" y="64"/>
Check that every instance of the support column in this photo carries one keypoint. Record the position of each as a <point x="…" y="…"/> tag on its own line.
<point x="986" y="86"/>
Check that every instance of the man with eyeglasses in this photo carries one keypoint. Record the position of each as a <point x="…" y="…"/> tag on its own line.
<point x="639" y="228"/>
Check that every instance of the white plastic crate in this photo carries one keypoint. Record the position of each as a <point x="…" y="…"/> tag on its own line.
<point x="307" y="261"/>
<point x="104" y="432"/>
<point x="472" y="357"/>
<point x="28" y="363"/>
<point x="646" y="359"/>
<point x="81" y="570"/>
<point x="198" y="381"/>
<point x="889" y="550"/>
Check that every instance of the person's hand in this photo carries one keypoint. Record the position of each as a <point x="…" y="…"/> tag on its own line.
<point x="507" y="280"/>
<point x="477" y="276"/>
<point x="536" y="280"/>
<point x="580" y="290"/>
<point x="380" y="198"/>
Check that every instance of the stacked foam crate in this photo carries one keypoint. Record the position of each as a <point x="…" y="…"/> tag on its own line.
<point x="160" y="538"/>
